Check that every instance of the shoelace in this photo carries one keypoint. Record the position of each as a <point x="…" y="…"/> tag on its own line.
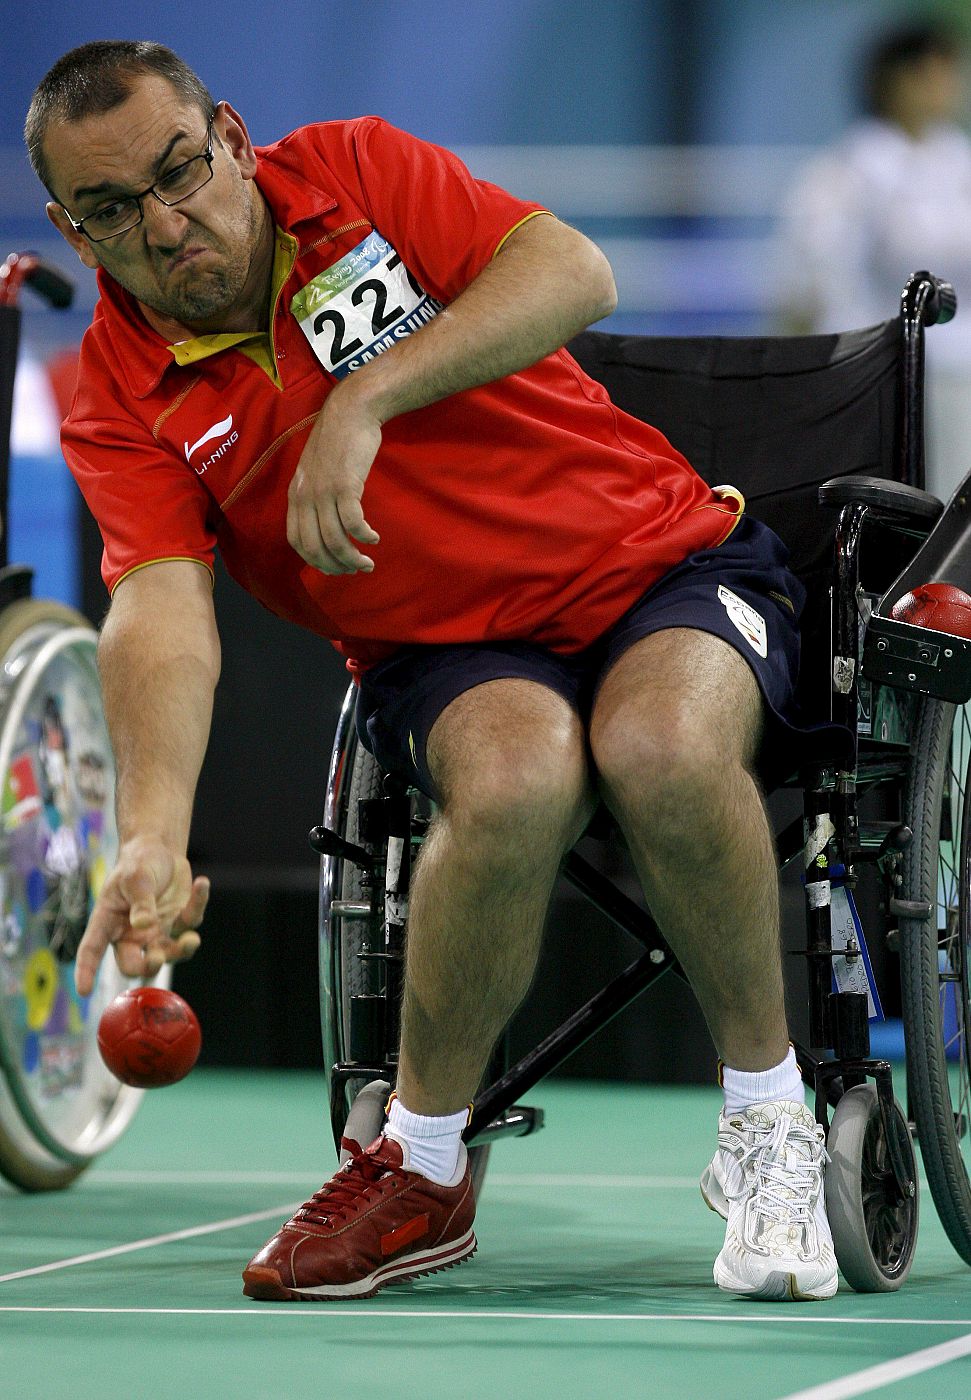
<point x="342" y="1195"/>
<point x="787" y="1184"/>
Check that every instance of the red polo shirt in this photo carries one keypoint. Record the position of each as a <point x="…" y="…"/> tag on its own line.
<point x="530" y="508"/>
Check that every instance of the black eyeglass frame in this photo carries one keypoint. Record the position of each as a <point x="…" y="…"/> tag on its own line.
<point x="208" y="155"/>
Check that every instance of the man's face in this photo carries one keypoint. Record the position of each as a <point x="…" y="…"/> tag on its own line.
<point x="189" y="262"/>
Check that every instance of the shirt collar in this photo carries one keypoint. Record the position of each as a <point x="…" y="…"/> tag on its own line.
<point x="281" y="176"/>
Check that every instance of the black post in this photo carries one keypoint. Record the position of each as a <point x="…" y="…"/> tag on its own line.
<point x="9" y="343"/>
<point x="925" y="301"/>
<point x="819" y="946"/>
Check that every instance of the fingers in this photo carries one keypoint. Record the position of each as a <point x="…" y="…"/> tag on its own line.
<point x="322" y="535"/>
<point x="192" y="915"/>
<point x="169" y="949"/>
<point x="185" y="946"/>
<point x="141" y="944"/>
<point x="125" y="916"/>
<point x="134" y="957"/>
<point x="183" y="941"/>
<point x="142" y="909"/>
<point x="352" y="519"/>
<point x="91" y="950"/>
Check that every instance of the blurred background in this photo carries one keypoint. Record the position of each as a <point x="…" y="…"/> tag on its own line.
<point x="674" y="133"/>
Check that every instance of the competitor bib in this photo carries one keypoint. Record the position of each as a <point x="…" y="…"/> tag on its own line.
<point x="361" y="306"/>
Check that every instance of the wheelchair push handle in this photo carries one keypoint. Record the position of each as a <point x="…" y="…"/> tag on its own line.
<point x="929" y="299"/>
<point x="46" y="280"/>
<point x="942" y="304"/>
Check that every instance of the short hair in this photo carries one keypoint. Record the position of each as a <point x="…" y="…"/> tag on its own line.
<point x="96" y="77"/>
<point x="898" y="50"/>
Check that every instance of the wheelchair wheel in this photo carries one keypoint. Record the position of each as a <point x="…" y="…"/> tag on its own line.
<point x="934" y="953"/>
<point x="350" y="919"/>
<point x="59" y="1105"/>
<point x="874" y="1227"/>
<point x="351" y="915"/>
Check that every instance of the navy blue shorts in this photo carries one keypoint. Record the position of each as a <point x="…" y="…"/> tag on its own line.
<point x="741" y="591"/>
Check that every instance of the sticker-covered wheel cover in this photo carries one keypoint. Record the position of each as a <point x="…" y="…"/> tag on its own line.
<point x="58" y="841"/>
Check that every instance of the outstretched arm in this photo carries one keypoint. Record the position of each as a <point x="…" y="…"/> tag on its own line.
<point x="546" y="283"/>
<point x="159" y="661"/>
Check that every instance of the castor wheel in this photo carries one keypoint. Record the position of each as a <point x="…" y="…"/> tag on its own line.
<point x="874" y="1222"/>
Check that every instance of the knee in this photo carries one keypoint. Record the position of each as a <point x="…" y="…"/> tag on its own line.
<point x="526" y="797"/>
<point x="669" y="773"/>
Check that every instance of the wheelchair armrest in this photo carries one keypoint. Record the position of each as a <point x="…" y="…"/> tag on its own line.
<point x="892" y="496"/>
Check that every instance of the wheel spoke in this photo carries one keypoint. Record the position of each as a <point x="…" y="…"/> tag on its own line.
<point x="887" y="1232"/>
<point x="886" y="1213"/>
<point x="889" y="1214"/>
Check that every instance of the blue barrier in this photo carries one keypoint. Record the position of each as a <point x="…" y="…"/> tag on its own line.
<point x="42" y="529"/>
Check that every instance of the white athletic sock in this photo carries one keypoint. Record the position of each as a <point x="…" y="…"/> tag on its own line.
<point x="434" y="1144"/>
<point x="763" y="1086"/>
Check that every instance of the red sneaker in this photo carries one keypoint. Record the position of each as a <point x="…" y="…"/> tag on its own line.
<point x="373" y="1223"/>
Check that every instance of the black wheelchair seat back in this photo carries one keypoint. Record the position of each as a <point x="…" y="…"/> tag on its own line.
<point x="775" y="417"/>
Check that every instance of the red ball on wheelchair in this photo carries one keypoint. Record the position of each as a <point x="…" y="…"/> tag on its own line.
<point x="941" y="606"/>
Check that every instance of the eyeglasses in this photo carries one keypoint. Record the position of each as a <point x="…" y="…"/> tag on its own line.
<point x="123" y="214"/>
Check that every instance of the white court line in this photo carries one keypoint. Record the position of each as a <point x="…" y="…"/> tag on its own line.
<point x="119" y="1177"/>
<point x="189" y="1178"/>
<point x="861" y="1382"/>
<point x="212" y="1228"/>
<point x="338" y="1310"/>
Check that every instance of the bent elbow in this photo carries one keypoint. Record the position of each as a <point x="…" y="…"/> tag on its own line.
<point x="610" y="295"/>
<point x="603" y="287"/>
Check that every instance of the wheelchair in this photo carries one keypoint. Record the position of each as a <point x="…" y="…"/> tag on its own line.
<point x="824" y="437"/>
<point x="59" y="1105"/>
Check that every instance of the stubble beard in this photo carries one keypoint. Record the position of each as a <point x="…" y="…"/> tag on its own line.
<point x="198" y="296"/>
<point x="204" y="296"/>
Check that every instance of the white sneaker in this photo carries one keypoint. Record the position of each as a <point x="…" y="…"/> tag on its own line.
<point x="766" y="1180"/>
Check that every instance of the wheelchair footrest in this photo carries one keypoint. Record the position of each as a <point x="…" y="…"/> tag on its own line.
<point x="517" y="1121"/>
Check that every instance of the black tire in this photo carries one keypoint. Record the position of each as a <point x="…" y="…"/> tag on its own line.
<point x="341" y="934"/>
<point x="347" y="976"/>
<point x="874" y="1227"/>
<point x="366" y="781"/>
<point x="934" y="958"/>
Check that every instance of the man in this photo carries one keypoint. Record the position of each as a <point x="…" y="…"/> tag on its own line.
<point x="339" y="357"/>
<point x="892" y="195"/>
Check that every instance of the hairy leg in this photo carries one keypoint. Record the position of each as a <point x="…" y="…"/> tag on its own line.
<point x="674" y="732"/>
<point x="509" y="758"/>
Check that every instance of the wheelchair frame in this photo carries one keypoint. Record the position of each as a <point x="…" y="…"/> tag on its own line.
<point x="366" y="858"/>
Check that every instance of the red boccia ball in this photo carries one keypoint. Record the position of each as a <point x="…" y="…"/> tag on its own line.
<point x="941" y="606"/>
<point x="149" y="1037"/>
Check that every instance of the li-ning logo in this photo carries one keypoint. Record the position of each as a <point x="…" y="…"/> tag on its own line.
<point x="222" y="430"/>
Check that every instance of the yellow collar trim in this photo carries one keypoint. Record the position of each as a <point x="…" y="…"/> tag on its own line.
<point x="257" y="345"/>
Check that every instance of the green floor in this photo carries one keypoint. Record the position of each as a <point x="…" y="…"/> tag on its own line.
<point x="593" y="1277"/>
